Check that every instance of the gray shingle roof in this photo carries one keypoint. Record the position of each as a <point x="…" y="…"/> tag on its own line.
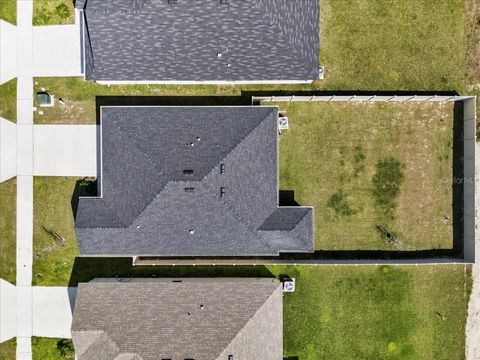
<point x="201" y="319"/>
<point x="150" y="203"/>
<point x="152" y="40"/>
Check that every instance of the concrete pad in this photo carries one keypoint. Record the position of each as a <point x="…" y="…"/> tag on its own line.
<point x="57" y="50"/>
<point x="24" y="311"/>
<point x="65" y="150"/>
<point x="8" y="311"/>
<point x="8" y="149"/>
<point x="24" y="230"/>
<point x="24" y="348"/>
<point x="8" y="46"/>
<point x="52" y="311"/>
<point x="24" y="149"/>
<point x="25" y="111"/>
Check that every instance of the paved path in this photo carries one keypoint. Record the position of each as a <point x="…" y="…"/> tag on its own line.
<point x="24" y="181"/>
<point x="472" y="347"/>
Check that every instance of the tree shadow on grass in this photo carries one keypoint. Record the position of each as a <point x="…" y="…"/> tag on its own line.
<point x="86" y="269"/>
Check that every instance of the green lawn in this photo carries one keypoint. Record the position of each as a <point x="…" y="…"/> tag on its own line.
<point x="52" y="260"/>
<point x="393" y="45"/>
<point x="8" y="100"/>
<point x="370" y="312"/>
<point x="8" y="11"/>
<point x="53" y="12"/>
<point x="52" y="349"/>
<point x="8" y="205"/>
<point x="347" y="312"/>
<point x="369" y="170"/>
<point x="7" y="349"/>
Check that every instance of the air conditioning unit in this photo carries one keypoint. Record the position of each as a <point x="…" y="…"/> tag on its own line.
<point x="283" y="123"/>
<point x="289" y="285"/>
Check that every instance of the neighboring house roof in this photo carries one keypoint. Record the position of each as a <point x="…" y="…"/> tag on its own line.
<point x="201" y="40"/>
<point x="201" y="319"/>
<point x="190" y="181"/>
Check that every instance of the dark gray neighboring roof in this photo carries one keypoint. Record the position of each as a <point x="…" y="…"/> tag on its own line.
<point x="201" y="319"/>
<point x="144" y="208"/>
<point x="152" y="40"/>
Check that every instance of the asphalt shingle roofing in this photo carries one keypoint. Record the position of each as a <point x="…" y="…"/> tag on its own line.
<point x="201" y="40"/>
<point x="190" y="181"/>
<point x="201" y="319"/>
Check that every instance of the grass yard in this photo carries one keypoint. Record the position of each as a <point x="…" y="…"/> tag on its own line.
<point x="394" y="45"/>
<point x="53" y="12"/>
<point x="8" y="11"/>
<point x="369" y="312"/>
<point x="8" y="349"/>
<point x="378" y="175"/>
<point x="8" y="100"/>
<point x="53" y="219"/>
<point x="346" y="312"/>
<point x="8" y="206"/>
<point x="79" y="96"/>
<point x="52" y="349"/>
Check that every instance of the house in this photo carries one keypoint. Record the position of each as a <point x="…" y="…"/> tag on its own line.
<point x="197" y="319"/>
<point x="190" y="181"/>
<point x="208" y="41"/>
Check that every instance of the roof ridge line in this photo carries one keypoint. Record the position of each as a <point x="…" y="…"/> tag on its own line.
<point x="249" y="320"/>
<point x="249" y="134"/>
<point x="276" y="24"/>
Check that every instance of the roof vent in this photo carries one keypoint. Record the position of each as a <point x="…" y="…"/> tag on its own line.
<point x="191" y="231"/>
<point x="219" y="55"/>
<point x="230" y="357"/>
<point x="189" y="189"/>
<point x="222" y="191"/>
<point x="222" y="168"/>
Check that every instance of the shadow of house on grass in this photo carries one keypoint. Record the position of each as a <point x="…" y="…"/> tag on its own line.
<point x="89" y="268"/>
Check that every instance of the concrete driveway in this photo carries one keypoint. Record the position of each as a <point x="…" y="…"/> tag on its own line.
<point x="52" y="311"/>
<point x="57" y="49"/>
<point x="65" y="150"/>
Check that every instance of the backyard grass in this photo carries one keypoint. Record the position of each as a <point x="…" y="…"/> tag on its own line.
<point x="53" y="12"/>
<point x="8" y="11"/>
<point x="52" y="349"/>
<point x="346" y="312"/>
<point x="393" y="45"/>
<point x="8" y="349"/>
<point x="8" y="100"/>
<point x="53" y="221"/>
<point x="378" y="175"/>
<point x="8" y="205"/>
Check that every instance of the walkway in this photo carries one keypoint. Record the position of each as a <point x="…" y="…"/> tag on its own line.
<point x="472" y="346"/>
<point x="24" y="177"/>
